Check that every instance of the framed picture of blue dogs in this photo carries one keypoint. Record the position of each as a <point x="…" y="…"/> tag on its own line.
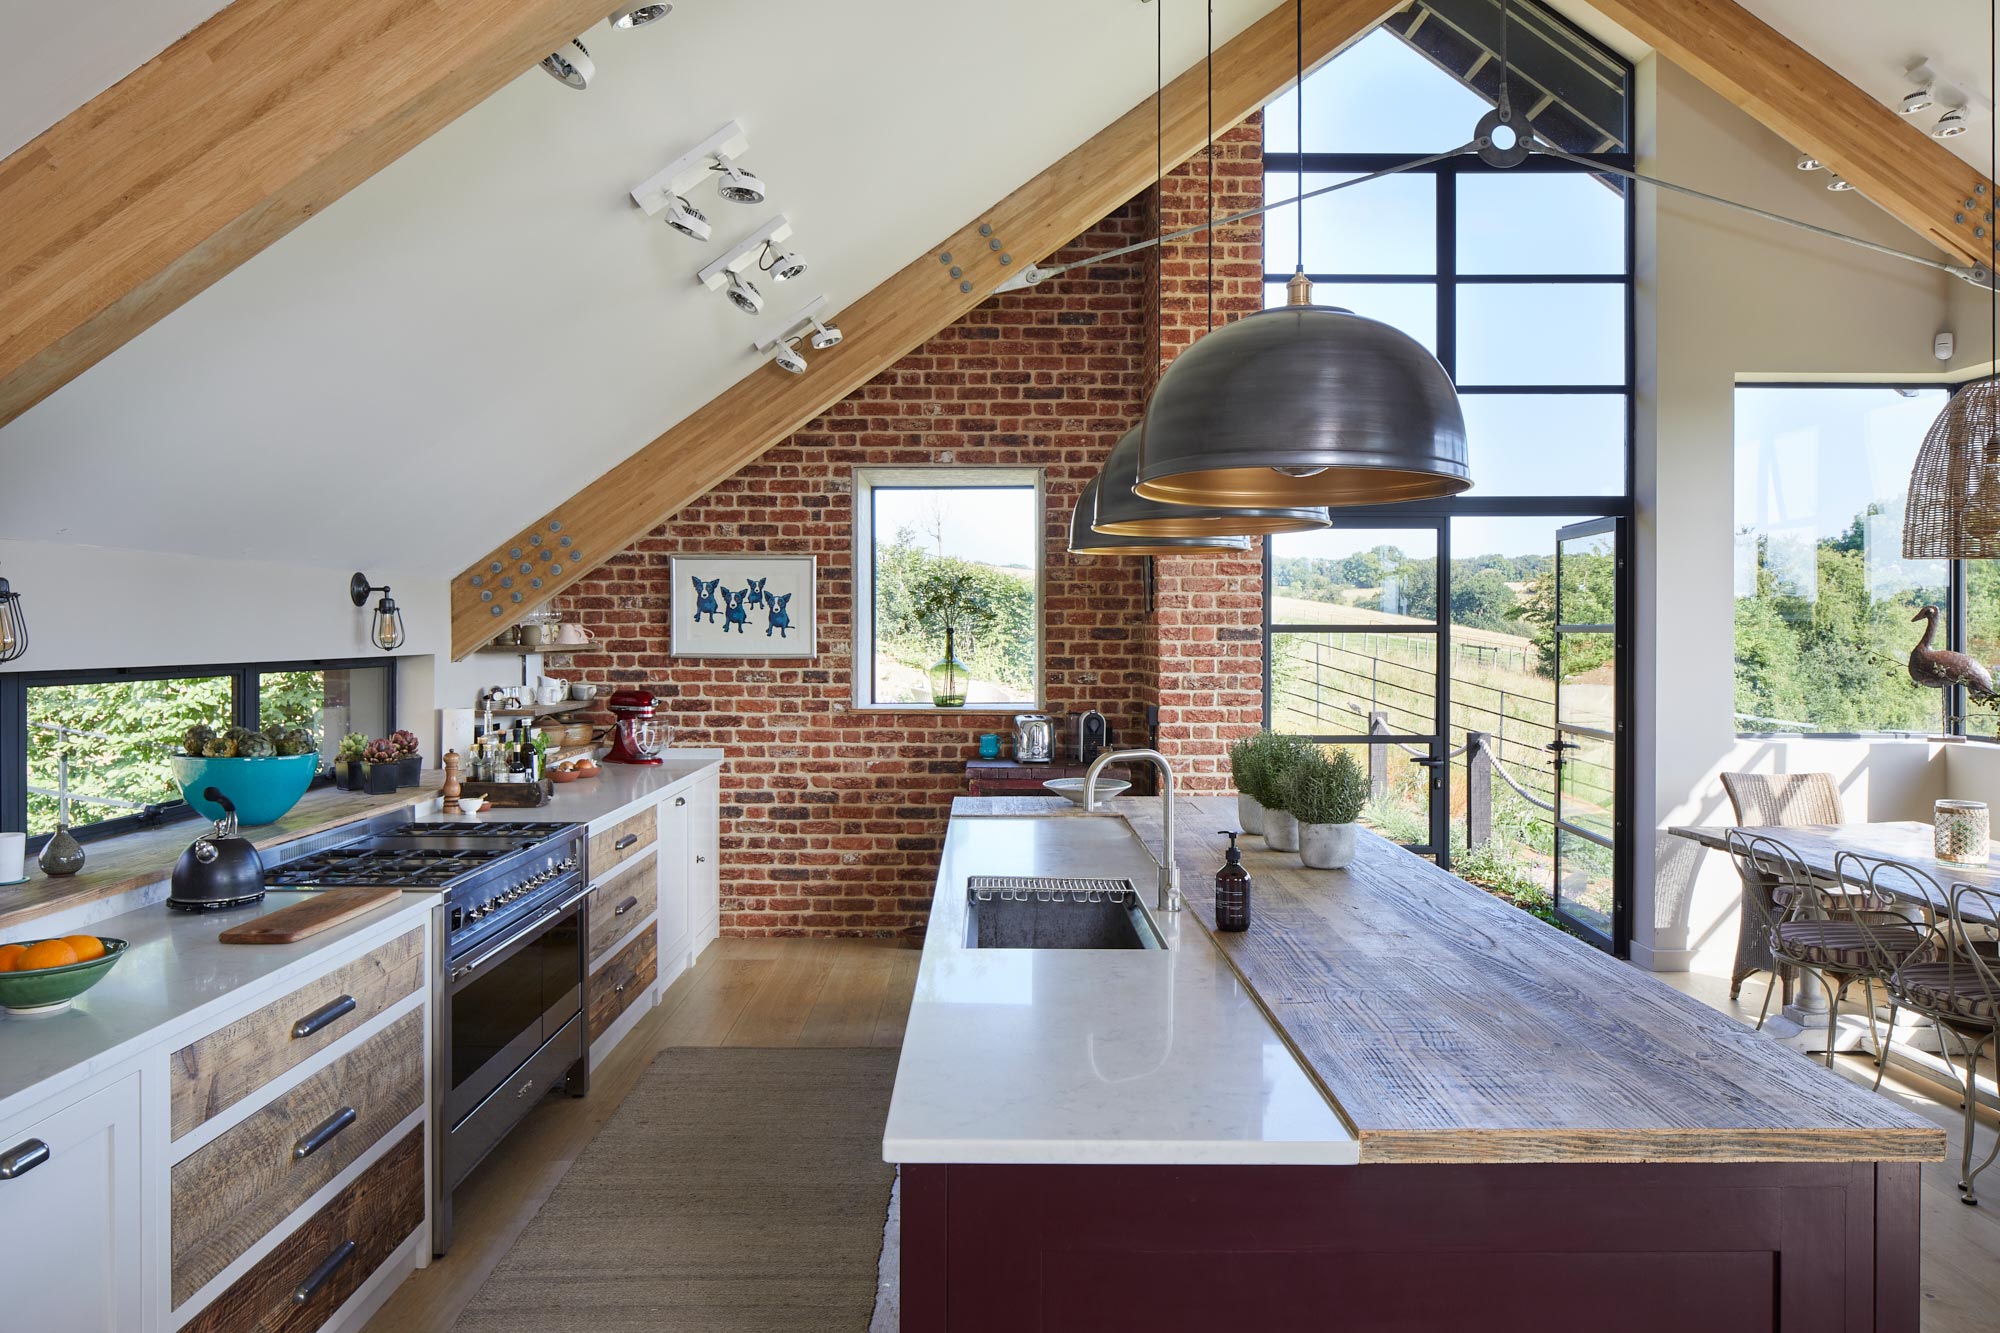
<point x="744" y="606"/>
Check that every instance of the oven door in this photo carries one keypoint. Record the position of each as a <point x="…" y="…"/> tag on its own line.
<point x="510" y="998"/>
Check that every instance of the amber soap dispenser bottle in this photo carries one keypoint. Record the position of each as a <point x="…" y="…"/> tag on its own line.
<point x="1232" y="889"/>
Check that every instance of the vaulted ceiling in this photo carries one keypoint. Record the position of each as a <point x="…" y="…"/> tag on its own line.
<point x="488" y="323"/>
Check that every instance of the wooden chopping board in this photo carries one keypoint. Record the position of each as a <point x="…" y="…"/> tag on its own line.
<point x="326" y="909"/>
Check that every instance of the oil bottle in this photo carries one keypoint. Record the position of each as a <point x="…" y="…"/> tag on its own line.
<point x="1232" y="889"/>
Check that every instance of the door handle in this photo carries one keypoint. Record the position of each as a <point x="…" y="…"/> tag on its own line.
<point x="328" y="1266"/>
<point x="701" y="860"/>
<point x="624" y="842"/>
<point x="22" y="1158"/>
<point x="323" y="1133"/>
<point x="323" y="1015"/>
<point x="626" y="906"/>
<point x="680" y="800"/>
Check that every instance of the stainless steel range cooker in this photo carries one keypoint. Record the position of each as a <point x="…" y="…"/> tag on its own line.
<point x="510" y="965"/>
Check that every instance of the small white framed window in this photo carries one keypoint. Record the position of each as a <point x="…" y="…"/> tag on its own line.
<point x="948" y="553"/>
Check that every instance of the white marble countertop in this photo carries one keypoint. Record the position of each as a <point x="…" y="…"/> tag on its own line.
<point x="174" y="970"/>
<point x="1090" y="1056"/>
<point x="613" y="793"/>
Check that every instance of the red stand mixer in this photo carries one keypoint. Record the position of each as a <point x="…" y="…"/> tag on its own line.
<point x="637" y="736"/>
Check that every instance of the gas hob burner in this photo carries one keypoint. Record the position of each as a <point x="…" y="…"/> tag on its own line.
<point x="404" y="868"/>
<point x="511" y="828"/>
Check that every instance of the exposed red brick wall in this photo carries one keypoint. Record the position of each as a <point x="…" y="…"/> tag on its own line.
<point x="1211" y="612"/>
<point x="833" y="818"/>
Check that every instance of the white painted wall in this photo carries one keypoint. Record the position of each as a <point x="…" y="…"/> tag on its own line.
<point x="1723" y="297"/>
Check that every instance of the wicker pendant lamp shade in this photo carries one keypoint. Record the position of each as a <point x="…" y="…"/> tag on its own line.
<point x="1124" y="514"/>
<point x="1953" y="511"/>
<point x="1084" y="541"/>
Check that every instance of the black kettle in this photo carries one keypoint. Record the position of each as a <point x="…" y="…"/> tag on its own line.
<point x="219" y="869"/>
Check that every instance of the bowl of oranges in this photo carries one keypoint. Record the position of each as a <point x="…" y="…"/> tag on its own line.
<point x="42" y="976"/>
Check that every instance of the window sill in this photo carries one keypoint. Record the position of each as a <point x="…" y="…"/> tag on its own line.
<point x="988" y="710"/>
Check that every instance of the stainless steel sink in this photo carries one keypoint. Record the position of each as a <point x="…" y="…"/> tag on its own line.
<point x="1019" y="912"/>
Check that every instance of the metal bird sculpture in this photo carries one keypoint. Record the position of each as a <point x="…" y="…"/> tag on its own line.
<point x="1940" y="667"/>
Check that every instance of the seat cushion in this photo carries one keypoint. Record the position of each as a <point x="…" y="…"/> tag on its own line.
<point x="1955" y="989"/>
<point x="1842" y="944"/>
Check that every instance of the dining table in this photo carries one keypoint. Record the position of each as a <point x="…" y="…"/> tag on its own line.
<point x="1909" y="841"/>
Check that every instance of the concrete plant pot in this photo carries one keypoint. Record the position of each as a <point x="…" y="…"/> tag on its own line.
<point x="1326" y="846"/>
<point x="1249" y="814"/>
<point x="1281" y="831"/>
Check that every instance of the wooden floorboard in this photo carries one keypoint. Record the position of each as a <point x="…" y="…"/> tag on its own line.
<point x="785" y="992"/>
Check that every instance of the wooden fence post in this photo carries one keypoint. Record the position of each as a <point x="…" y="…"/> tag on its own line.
<point x="1378" y="755"/>
<point x="1478" y="787"/>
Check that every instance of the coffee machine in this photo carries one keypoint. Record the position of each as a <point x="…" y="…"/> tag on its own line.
<point x="637" y="736"/>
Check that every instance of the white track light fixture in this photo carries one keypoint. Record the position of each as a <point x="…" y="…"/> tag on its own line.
<point x="782" y="264"/>
<point x="737" y="185"/>
<point x="627" y="17"/>
<point x="686" y="219"/>
<point x="730" y="274"/>
<point x="1950" y="125"/>
<point x="571" y="66"/>
<point x="1807" y="162"/>
<point x="1839" y="184"/>
<point x="1922" y="99"/>
<point x="667" y="192"/>
<point x="811" y="322"/>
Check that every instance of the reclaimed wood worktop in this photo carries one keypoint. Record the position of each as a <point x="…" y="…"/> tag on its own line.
<point x="1446" y="1026"/>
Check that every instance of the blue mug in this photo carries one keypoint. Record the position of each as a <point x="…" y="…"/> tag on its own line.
<point x="989" y="746"/>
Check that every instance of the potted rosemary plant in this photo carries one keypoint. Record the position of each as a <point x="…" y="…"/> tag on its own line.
<point x="1285" y="757"/>
<point x="1326" y="797"/>
<point x="1247" y="763"/>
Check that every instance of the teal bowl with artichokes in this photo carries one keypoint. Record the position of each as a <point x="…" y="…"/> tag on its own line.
<point x="263" y="773"/>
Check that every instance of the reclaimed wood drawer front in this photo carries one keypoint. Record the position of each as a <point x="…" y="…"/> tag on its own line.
<point x="622" y="904"/>
<point x="621" y="842"/>
<point x="624" y="979"/>
<point x="212" y="1074"/>
<point x="230" y="1192"/>
<point x="328" y="1258"/>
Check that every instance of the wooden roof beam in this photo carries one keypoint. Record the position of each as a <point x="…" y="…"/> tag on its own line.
<point x="767" y="406"/>
<point x="1899" y="167"/>
<point x="231" y="137"/>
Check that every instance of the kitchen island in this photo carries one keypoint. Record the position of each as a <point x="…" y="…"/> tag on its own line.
<point x="1518" y="1131"/>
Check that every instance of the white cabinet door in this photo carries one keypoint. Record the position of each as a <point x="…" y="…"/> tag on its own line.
<point x="70" y="1240"/>
<point x="676" y="861"/>
<point x="705" y="842"/>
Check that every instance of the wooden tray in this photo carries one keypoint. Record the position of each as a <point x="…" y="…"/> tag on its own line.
<point x="326" y="909"/>
<point x="510" y="795"/>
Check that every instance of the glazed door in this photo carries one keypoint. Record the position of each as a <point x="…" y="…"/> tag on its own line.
<point x="1590" y="890"/>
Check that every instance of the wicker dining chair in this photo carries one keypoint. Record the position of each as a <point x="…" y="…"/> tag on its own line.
<point x="1892" y="935"/>
<point x="1957" y="985"/>
<point x="1781" y="875"/>
<point x="1763" y="800"/>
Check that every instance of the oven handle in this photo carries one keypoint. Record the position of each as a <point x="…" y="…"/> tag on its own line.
<point x="465" y="970"/>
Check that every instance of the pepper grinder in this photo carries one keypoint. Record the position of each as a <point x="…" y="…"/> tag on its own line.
<point x="1232" y="889"/>
<point x="452" y="788"/>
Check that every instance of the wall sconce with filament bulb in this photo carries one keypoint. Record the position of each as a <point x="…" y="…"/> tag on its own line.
<point x="13" y="626"/>
<point x="387" y="630"/>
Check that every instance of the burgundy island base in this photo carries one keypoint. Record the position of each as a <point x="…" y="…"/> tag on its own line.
<point x="1393" y="1103"/>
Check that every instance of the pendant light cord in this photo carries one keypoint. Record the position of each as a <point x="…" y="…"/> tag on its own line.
<point x="1211" y="165"/>
<point x="1299" y="132"/>
<point x="1160" y="170"/>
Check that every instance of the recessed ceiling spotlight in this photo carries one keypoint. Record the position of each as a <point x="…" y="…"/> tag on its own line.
<point x="737" y="185"/>
<point x="780" y="263"/>
<point x="1950" y="125"/>
<point x="787" y="357"/>
<point x="743" y="294"/>
<point x="638" y="16"/>
<point x="825" y="336"/>
<point x="686" y="219"/>
<point x="1839" y="184"/>
<point x="1920" y="100"/>
<point x="571" y="66"/>
<point x="1807" y="162"/>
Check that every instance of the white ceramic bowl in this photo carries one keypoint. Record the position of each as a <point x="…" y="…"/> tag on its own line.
<point x="1072" y="788"/>
<point x="471" y="805"/>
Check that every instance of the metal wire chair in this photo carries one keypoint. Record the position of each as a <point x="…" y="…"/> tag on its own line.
<point x="1781" y="874"/>
<point x="1958" y="987"/>
<point x="1766" y="800"/>
<point x="1890" y="934"/>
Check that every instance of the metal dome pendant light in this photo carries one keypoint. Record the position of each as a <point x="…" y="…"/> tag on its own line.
<point x="1083" y="540"/>
<point x="1304" y="404"/>
<point x="1122" y="513"/>
<point x="1953" y="510"/>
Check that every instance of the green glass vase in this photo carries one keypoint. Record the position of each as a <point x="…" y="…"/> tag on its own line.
<point x="949" y="677"/>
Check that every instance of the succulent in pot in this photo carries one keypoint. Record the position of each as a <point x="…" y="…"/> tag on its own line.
<point x="348" y="774"/>
<point x="1285" y="756"/>
<point x="260" y="777"/>
<point x="1326" y="797"/>
<point x="409" y="763"/>
<point x="379" y="767"/>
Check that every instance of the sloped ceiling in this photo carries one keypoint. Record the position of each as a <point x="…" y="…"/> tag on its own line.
<point x="490" y="323"/>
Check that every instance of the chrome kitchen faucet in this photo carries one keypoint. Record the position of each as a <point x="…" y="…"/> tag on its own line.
<point x="1170" y="871"/>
